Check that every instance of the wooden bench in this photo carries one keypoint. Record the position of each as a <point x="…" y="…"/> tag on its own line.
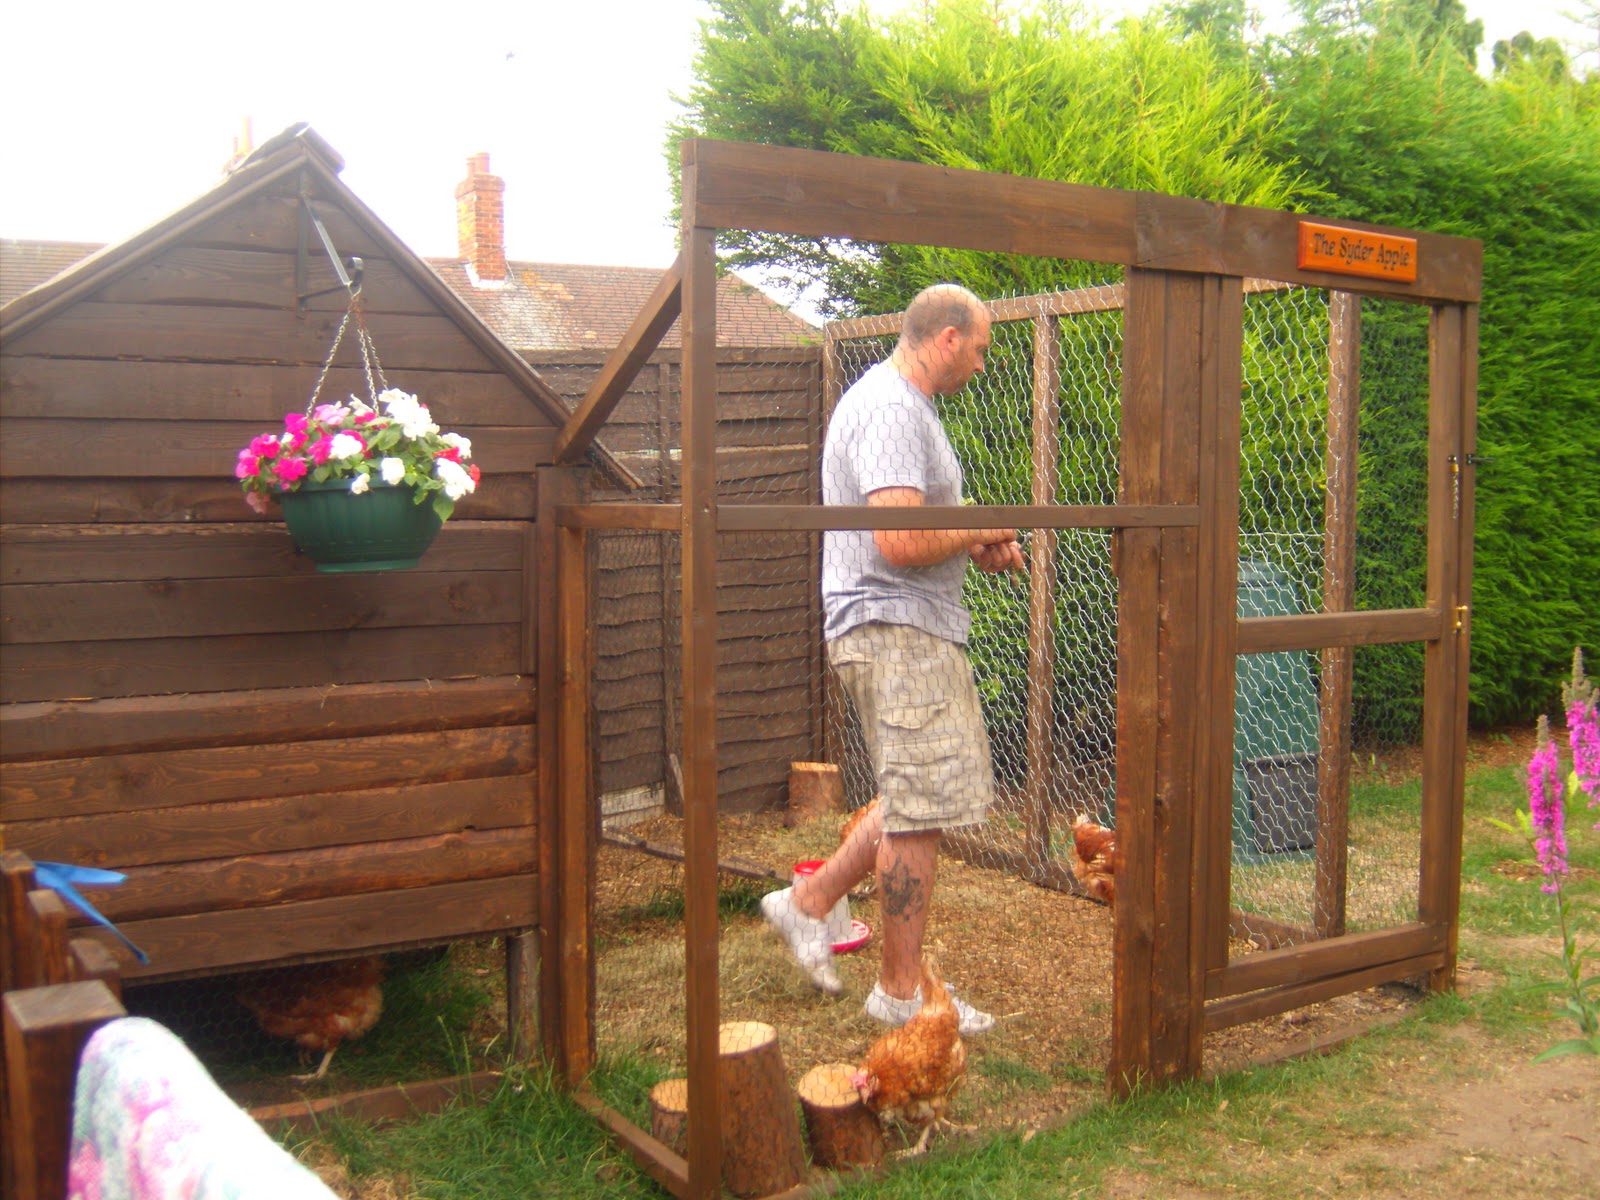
<point x="57" y="991"/>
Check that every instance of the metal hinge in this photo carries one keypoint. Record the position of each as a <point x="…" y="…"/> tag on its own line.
<point x="1463" y="611"/>
<point x="1455" y="460"/>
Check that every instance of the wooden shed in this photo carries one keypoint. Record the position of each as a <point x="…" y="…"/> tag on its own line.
<point x="286" y="764"/>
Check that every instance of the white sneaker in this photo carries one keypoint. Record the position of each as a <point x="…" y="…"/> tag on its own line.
<point x="889" y="1010"/>
<point x="807" y="937"/>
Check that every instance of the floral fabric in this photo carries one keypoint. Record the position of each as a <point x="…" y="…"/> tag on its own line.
<point x="149" y="1123"/>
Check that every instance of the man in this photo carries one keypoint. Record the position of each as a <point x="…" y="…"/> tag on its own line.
<point x="897" y="630"/>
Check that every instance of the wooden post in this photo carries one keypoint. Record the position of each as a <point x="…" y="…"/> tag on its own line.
<point x="761" y="1148"/>
<point x="1452" y="440"/>
<point x="1338" y="595"/>
<point x="556" y="486"/>
<point x="1179" y="332"/>
<point x="835" y="705"/>
<point x="816" y="789"/>
<point x="699" y="545"/>
<point x="577" y="815"/>
<point x="45" y="1032"/>
<point x="841" y="1130"/>
<point x="1042" y="596"/>
<point x="522" y="993"/>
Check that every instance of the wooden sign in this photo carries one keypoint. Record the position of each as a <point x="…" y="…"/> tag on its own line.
<point x="1357" y="252"/>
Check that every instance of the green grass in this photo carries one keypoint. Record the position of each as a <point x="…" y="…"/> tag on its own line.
<point x="735" y="898"/>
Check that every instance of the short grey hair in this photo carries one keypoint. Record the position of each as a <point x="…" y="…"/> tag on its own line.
<point x="942" y="306"/>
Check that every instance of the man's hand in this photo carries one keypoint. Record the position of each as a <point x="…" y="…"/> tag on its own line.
<point x="996" y="557"/>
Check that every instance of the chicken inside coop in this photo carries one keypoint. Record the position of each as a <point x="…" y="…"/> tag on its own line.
<point x="912" y="1073"/>
<point x="318" y="1006"/>
<point x="1094" y="860"/>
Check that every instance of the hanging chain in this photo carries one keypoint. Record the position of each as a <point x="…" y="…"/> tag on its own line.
<point x="370" y="366"/>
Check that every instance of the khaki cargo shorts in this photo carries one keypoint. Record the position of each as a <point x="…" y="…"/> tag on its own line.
<point x="919" y="711"/>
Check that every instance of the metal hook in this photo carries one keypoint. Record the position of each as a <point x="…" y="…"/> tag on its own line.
<point x="351" y="271"/>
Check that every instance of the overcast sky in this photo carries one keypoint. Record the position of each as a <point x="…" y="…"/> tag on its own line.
<point x="118" y="113"/>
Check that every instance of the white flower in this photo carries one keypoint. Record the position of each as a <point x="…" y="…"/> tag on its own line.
<point x="460" y="443"/>
<point x="345" y="445"/>
<point x="358" y="406"/>
<point x="393" y="470"/>
<point x="420" y="425"/>
<point x="360" y="483"/>
<point x="398" y="404"/>
<point x="457" y="483"/>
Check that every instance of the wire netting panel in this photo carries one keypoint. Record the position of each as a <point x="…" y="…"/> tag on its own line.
<point x="639" y="903"/>
<point x="1332" y="518"/>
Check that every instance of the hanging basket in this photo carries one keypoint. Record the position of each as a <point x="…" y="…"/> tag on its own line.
<point x="383" y="529"/>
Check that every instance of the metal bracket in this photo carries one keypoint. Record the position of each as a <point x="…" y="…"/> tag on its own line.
<point x="350" y="271"/>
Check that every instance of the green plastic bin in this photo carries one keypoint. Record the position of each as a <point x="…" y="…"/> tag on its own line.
<point x="1275" y="731"/>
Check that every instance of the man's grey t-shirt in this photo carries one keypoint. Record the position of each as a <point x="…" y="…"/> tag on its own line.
<point x="885" y="433"/>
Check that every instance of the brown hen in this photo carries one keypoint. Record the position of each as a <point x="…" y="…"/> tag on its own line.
<point x="1095" y="862"/>
<point x="318" y="1006"/>
<point x="912" y="1072"/>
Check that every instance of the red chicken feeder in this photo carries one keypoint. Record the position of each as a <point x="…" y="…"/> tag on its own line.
<point x="847" y="933"/>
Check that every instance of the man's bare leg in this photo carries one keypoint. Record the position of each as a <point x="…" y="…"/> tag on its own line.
<point x="906" y="866"/>
<point x="815" y="895"/>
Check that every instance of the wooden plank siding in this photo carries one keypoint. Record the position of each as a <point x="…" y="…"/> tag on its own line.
<point x="767" y="409"/>
<point x="287" y="764"/>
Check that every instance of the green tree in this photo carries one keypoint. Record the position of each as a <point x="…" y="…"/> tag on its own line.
<point x="1037" y="90"/>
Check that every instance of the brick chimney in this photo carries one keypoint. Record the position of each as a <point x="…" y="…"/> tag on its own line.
<point x="480" y="220"/>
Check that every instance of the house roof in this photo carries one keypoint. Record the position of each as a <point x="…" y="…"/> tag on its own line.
<point x="25" y="264"/>
<point x="566" y="306"/>
<point x="298" y="149"/>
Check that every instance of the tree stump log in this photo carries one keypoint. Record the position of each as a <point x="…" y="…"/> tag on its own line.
<point x="816" y="789"/>
<point x="761" y="1148"/>
<point x="842" y="1131"/>
<point x="669" y="1114"/>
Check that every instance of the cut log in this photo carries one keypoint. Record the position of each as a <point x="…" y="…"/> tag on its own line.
<point x="761" y="1148"/>
<point x="669" y="1114"/>
<point x="841" y="1130"/>
<point x="816" y="789"/>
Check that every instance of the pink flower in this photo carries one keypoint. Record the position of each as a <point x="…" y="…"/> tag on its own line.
<point x="330" y="414"/>
<point x="321" y="449"/>
<point x="1545" y="809"/>
<point x="291" y="469"/>
<point x="364" y="417"/>
<point x="296" y="424"/>
<point x="475" y="473"/>
<point x="256" y="501"/>
<point x="247" y="465"/>
<point x="452" y="453"/>
<point x="265" y="446"/>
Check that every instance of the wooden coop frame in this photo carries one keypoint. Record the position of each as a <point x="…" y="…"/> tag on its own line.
<point x="1175" y="523"/>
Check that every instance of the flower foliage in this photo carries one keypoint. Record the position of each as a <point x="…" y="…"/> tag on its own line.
<point x="396" y="444"/>
<point x="1544" y="825"/>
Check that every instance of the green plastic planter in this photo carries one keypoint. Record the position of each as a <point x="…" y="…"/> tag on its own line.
<point x="382" y="529"/>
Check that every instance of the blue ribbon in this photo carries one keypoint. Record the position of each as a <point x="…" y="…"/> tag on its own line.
<point x="61" y="878"/>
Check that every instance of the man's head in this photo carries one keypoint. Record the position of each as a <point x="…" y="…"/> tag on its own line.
<point x="943" y="338"/>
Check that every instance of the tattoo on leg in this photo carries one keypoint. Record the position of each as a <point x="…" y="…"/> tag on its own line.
<point x="902" y="892"/>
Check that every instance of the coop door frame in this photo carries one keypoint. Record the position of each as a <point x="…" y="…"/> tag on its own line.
<point x="1331" y="963"/>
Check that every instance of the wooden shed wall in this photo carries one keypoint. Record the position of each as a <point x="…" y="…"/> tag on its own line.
<point x="769" y="409"/>
<point x="286" y="763"/>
